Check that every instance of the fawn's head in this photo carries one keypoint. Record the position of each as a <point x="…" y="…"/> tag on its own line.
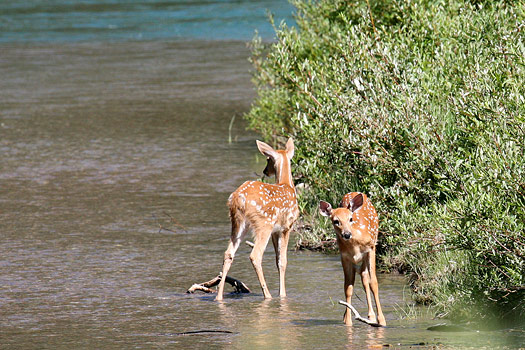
<point x="278" y="161"/>
<point x="343" y="218"/>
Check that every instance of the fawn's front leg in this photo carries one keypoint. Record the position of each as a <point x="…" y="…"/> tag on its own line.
<point x="365" y="279"/>
<point x="349" y="271"/>
<point x="375" y="288"/>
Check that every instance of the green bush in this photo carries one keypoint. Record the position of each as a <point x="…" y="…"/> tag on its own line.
<point x="421" y="105"/>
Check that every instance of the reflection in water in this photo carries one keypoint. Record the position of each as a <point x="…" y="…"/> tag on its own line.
<point x="373" y="337"/>
<point x="268" y="319"/>
<point x="264" y="324"/>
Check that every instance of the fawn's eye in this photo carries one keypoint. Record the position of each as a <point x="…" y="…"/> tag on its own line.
<point x="351" y="219"/>
<point x="336" y="222"/>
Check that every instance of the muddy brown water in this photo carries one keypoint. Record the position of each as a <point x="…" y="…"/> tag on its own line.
<point x="115" y="170"/>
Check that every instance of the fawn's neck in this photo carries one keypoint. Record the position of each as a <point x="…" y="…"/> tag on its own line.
<point x="283" y="175"/>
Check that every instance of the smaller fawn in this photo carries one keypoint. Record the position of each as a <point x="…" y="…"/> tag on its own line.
<point x="356" y="225"/>
<point x="269" y="210"/>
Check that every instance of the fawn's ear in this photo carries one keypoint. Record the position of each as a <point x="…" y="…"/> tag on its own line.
<point x="325" y="208"/>
<point x="290" y="148"/>
<point x="266" y="150"/>
<point x="356" y="202"/>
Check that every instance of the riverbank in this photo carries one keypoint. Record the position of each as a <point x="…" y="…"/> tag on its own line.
<point x="420" y="106"/>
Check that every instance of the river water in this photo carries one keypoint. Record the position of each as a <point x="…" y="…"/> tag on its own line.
<point x="115" y="169"/>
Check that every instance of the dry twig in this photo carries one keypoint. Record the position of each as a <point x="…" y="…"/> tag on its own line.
<point x="358" y="316"/>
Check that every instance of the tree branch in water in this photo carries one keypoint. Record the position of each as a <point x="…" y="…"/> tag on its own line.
<point x="357" y="316"/>
<point x="205" y="287"/>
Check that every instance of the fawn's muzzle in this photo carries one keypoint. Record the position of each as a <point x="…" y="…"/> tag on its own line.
<point x="347" y="235"/>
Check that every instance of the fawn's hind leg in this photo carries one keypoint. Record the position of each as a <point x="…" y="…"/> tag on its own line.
<point x="238" y="232"/>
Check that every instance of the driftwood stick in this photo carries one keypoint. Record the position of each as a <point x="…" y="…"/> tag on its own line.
<point x="250" y="244"/>
<point x="358" y="316"/>
<point x="200" y="287"/>
<point x="239" y="286"/>
<point x="212" y="283"/>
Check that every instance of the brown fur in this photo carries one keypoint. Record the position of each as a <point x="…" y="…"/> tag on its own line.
<point x="356" y="225"/>
<point x="269" y="210"/>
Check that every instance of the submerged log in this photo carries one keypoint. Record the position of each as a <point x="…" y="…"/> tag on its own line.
<point x="205" y="287"/>
<point x="357" y="316"/>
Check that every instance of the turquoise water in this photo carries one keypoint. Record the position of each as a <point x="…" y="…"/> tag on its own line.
<point x="119" y="20"/>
